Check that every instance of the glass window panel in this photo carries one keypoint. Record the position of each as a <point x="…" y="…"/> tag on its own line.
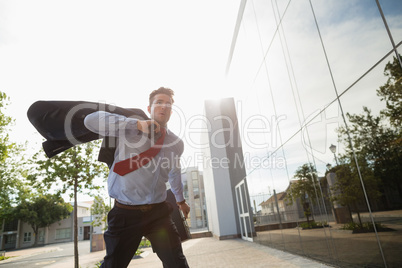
<point x="286" y="85"/>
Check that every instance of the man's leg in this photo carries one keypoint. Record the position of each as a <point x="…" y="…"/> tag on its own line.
<point x="122" y="237"/>
<point x="165" y="239"/>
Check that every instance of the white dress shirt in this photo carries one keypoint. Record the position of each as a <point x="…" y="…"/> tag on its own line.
<point x="146" y="185"/>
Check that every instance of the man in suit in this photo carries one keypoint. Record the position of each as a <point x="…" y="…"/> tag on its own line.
<point x="147" y="156"/>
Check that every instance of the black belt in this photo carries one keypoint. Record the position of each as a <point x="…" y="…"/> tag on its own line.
<point x="143" y="208"/>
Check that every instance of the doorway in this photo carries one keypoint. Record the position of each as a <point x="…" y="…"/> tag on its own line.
<point x="245" y="215"/>
<point x="87" y="232"/>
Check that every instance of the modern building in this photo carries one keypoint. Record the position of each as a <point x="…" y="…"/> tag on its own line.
<point x="194" y="193"/>
<point x="227" y="197"/>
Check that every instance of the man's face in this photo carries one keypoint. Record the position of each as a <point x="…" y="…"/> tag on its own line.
<point x="161" y="108"/>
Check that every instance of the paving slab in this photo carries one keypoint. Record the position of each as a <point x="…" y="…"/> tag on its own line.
<point x="211" y="252"/>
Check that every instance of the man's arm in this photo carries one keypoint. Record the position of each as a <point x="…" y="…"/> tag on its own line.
<point x="109" y="124"/>
<point x="176" y="182"/>
<point x="185" y="208"/>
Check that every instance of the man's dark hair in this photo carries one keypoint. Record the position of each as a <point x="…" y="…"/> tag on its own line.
<point x="161" y="90"/>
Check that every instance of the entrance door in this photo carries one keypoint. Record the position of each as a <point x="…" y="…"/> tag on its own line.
<point x="10" y="241"/>
<point x="245" y="215"/>
<point x="87" y="232"/>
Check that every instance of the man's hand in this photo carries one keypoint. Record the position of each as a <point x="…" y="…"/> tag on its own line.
<point x="147" y="126"/>
<point x="185" y="209"/>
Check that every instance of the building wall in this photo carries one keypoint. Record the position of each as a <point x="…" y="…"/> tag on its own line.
<point x="194" y="193"/>
<point x="222" y="201"/>
<point x="84" y="211"/>
<point x="223" y="167"/>
<point x="58" y="232"/>
<point x="210" y="190"/>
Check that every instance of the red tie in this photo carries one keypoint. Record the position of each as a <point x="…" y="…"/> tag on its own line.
<point x="133" y="163"/>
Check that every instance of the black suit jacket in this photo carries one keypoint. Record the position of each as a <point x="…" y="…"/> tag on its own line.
<point x="61" y="123"/>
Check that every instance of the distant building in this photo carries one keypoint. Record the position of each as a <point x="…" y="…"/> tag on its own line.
<point x="269" y="206"/>
<point x="277" y="208"/>
<point x="194" y="193"/>
<point x="278" y="205"/>
<point x="17" y="234"/>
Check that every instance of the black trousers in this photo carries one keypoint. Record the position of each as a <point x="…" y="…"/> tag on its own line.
<point x="126" y="229"/>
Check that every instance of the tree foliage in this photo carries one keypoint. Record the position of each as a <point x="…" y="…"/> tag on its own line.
<point x="12" y="186"/>
<point x="73" y="170"/>
<point x="377" y="139"/>
<point x="391" y="93"/>
<point x="41" y="211"/>
<point x="100" y="210"/>
<point x="348" y="189"/>
<point x="304" y="188"/>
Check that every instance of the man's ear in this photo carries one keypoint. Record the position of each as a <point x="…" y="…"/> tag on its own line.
<point x="149" y="109"/>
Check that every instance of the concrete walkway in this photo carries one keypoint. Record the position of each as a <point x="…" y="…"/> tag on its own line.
<point x="200" y="252"/>
<point x="210" y="252"/>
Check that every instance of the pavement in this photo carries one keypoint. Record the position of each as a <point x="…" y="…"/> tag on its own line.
<point x="211" y="252"/>
<point x="200" y="252"/>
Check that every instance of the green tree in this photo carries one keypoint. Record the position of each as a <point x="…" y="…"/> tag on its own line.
<point x="376" y="147"/>
<point x="347" y="188"/>
<point x="377" y="140"/>
<point x="100" y="210"/>
<point x="73" y="170"/>
<point x="12" y="186"/>
<point x="391" y="93"/>
<point x="41" y="211"/>
<point x="388" y="164"/>
<point x="304" y="188"/>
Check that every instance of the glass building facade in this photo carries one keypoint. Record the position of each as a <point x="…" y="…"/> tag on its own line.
<point x="318" y="88"/>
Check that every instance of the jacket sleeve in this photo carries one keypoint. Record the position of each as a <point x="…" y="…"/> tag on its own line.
<point x="109" y="124"/>
<point x="175" y="180"/>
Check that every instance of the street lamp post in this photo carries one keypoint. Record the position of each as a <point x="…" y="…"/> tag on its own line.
<point x="333" y="150"/>
<point x="339" y="211"/>
<point x="329" y="166"/>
